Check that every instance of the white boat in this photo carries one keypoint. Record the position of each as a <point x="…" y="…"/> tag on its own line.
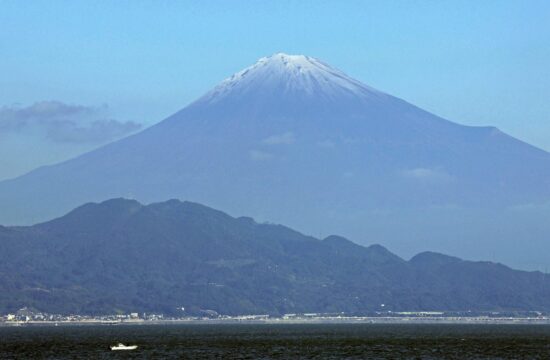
<point x="121" y="346"/>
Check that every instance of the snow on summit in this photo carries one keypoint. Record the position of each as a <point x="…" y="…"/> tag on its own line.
<point x="295" y="75"/>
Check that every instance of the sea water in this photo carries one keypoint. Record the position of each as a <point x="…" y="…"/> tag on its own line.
<point x="278" y="341"/>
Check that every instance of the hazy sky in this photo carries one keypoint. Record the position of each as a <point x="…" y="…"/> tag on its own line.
<point x="77" y="74"/>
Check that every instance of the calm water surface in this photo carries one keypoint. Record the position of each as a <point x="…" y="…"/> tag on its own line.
<point x="330" y="341"/>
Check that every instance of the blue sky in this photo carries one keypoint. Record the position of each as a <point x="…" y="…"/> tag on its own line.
<point x="121" y="63"/>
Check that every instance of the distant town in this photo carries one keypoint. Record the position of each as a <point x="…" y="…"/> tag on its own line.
<point x="29" y="317"/>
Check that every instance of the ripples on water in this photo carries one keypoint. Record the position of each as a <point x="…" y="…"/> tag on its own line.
<point x="327" y="341"/>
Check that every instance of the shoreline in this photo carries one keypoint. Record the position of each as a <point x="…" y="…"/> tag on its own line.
<point x="301" y="321"/>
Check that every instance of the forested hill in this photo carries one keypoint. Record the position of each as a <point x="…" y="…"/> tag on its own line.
<point x="120" y="255"/>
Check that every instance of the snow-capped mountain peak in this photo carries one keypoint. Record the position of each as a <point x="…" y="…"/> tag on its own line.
<point x="295" y="141"/>
<point x="296" y="75"/>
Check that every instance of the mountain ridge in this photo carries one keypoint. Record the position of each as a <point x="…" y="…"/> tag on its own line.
<point x="163" y="256"/>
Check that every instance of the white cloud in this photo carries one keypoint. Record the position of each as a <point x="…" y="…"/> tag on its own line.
<point x="326" y="144"/>
<point x="530" y="207"/>
<point x="427" y="174"/>
<point x="282" y="139"/>
<point x="64" y="123"/>
<point x="260" y="155"/>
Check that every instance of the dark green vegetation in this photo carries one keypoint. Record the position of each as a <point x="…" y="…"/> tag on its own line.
<point x="123" y="256"/>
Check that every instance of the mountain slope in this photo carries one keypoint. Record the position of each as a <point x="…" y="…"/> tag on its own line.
<point x="121" y="255"/>
<point x="293" y="140"/>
